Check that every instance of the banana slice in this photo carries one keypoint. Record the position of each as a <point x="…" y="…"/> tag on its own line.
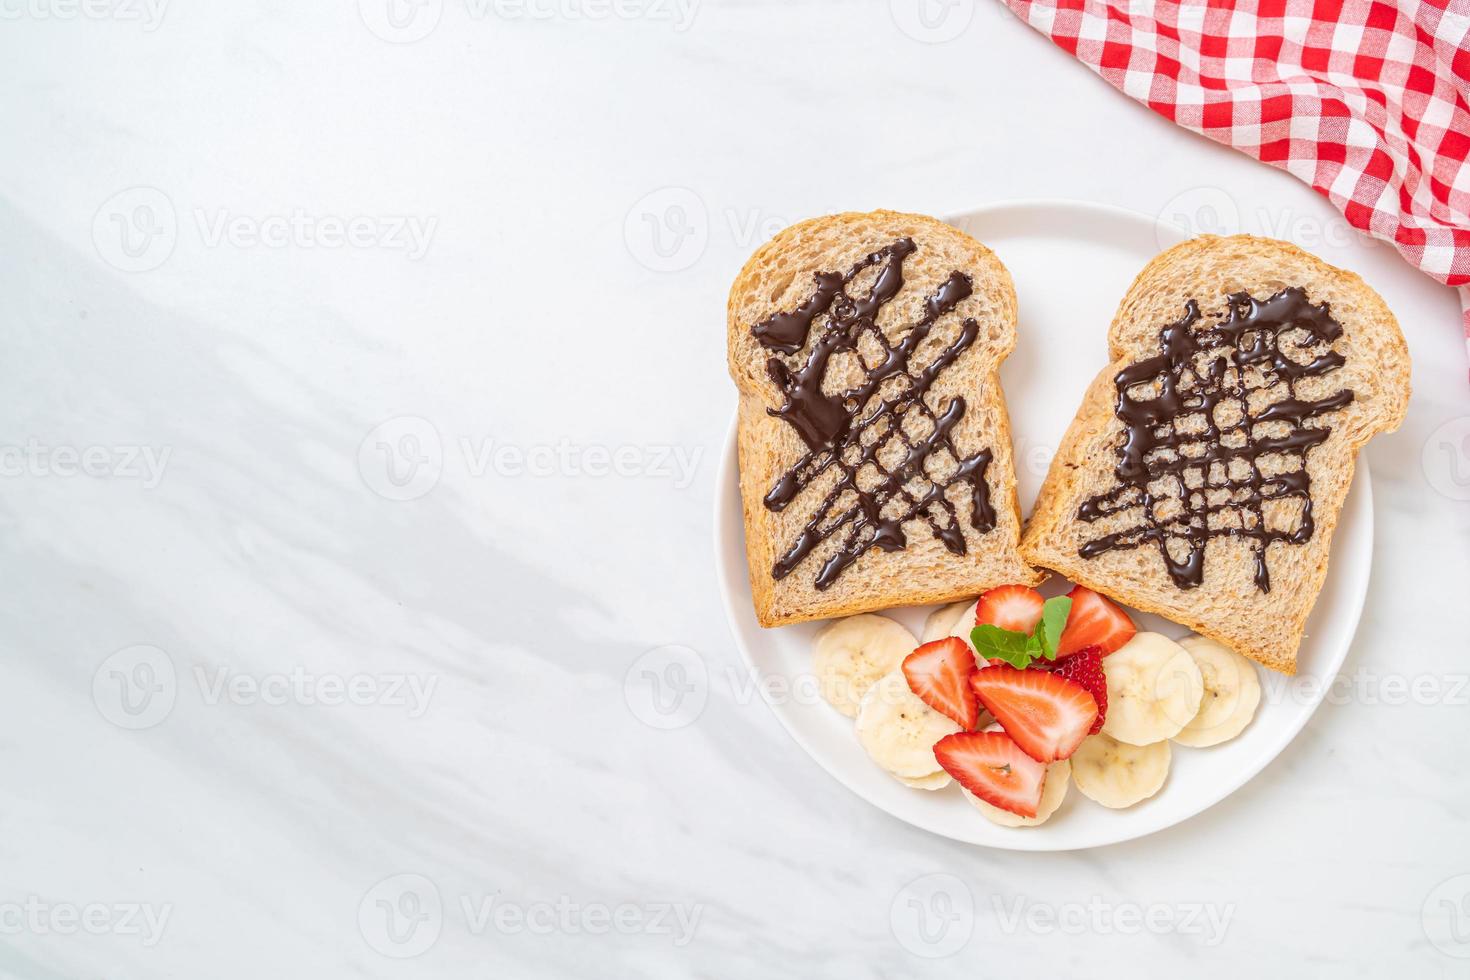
<point x="1053" y="791"/>
<point x="965" y="625"/>
<point x="942" y="621"/>
<point x="1154" y="690"/>
<point x="1117" y="774"/>
<point x="849" y="655"/>
<point x="1232" y="693"/>
<point x="935" y="780"/>
<point x="898" y="731"/>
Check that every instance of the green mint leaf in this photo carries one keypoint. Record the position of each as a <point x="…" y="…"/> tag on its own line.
<point x="1016" y="649"/>
<point x="1054" y="614"/>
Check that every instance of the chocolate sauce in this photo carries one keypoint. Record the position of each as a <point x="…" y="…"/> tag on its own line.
<point x="845" y="432"/>
<point x="786" y="332"/>
<point x="1195" y="371"/>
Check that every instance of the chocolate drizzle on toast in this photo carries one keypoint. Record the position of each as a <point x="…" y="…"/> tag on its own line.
<point x="872" y="497"/>
<point x="1197" y="432"/>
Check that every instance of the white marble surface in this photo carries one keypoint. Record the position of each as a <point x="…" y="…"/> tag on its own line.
<point x="228" y="548"/>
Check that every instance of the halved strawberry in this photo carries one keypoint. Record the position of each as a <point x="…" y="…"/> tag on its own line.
<point x="1047" y="715"/>
<point x="1094" y="622"/>
<point x="993" y="767"/>
<point x="1085" y="667"/>
<point x="939" y="673"/>
<point x="1011" y="607"/>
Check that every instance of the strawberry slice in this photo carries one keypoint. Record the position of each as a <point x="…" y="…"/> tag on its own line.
<point x="1047" y="715"/>
<point x="1094" y="622"/>
<point x="939" y="673"/>
<point x="993" y="767"/>
<point x="1085" y="667"/>
<point x="1011" y="607"/>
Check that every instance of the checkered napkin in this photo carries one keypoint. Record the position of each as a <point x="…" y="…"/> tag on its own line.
<point x="1367" y="101"/>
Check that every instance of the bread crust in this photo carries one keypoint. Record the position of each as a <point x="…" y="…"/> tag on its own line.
<point x="1265" y="627"/>
<point x="767" y="446"/>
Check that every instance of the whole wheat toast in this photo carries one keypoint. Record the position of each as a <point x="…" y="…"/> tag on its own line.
<point x="875" y="457"/>
<point x="1204" y="474"/>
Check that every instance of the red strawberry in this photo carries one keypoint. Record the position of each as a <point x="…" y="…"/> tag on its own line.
<point x="1047" y="715"/>
<point x="939" y="673"/>
<point x="993" y="767"/>
<point x="1085" y="667"/>
<point x="1094" y="622"/>
<point x="1011" y="607"/>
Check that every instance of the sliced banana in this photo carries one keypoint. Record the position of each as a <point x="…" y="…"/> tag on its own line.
<point x="1232" y="693"/>
<point x="942" y="621"/>
<point x="898" y="731"/>
<point x="965" y="625"/>
<point x="1154" y="690"/>
<point x="849" y="655"/>
<point x="1053" y="791"/>
<point x="1117" y="774"/>
<point x="935" y="780"/>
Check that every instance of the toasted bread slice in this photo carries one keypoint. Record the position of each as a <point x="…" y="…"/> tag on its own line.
<point x="875" y="453"/>
<point x="1174" y="494"/>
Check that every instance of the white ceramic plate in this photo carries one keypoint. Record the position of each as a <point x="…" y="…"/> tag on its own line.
<point x="1072" y="262"/>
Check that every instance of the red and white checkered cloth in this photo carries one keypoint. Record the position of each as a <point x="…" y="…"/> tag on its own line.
<point x="1367" y="101"/>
